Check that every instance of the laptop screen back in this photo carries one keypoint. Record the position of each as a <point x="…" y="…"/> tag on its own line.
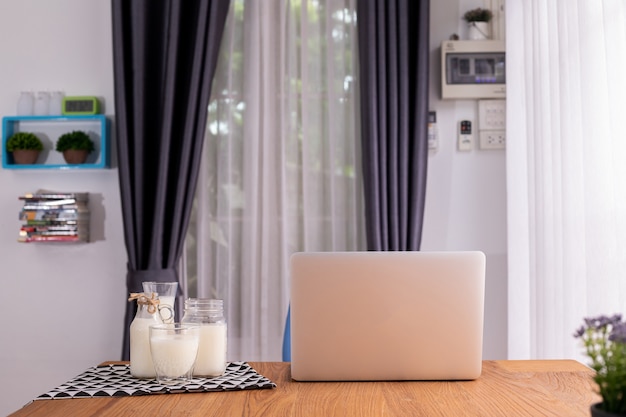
<point x="387" y="315"/>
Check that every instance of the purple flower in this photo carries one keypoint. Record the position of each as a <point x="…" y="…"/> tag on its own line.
<point x="601" y="322"/>
<point x="618" y="333"/>
<point x="604" y="341"/>
<point x="580" y="332"/>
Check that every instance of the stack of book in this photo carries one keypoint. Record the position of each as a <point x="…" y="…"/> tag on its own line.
<point x="55" y="217"/>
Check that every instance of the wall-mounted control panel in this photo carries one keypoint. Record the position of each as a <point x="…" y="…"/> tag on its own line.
<point x="492" y="124"/>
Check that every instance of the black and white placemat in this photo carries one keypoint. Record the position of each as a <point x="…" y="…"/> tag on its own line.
<point x="116" y="381"/>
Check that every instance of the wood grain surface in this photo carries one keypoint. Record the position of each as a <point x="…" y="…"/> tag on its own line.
<point x="505" y="388"/>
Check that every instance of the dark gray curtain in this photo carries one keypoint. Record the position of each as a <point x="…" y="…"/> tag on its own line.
<point x="393" y="60"/>
<point x="164" y="57"/>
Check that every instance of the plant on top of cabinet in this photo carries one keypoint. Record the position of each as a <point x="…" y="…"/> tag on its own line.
<point x="25" y="147"/>
<point x="75" y="146"/>
<point x="478" y="23"/>
<point x="478" y="15"/>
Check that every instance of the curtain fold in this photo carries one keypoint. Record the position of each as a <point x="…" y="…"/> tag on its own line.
<point x="394" y="70"/>
<point x="566" y="202"/>
<point x="164" y="56"/>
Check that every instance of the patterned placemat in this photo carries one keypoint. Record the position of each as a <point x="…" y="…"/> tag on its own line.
<point x="116" y="381"/>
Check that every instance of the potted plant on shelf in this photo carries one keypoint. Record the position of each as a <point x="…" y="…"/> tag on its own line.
<point x="25" y="147"/>
<point x="75" y="146"/>
<point x="478" y="20"/>
<point x="604" y="340"/>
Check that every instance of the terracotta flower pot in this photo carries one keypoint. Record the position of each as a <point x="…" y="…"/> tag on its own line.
<point x="25" y="156"/>
<point x="74" y="156"/>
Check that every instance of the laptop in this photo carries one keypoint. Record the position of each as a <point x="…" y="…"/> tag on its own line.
<point x="380" y="316"/>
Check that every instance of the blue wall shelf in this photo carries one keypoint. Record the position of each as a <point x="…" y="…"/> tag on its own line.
<point x="48" y="129"/>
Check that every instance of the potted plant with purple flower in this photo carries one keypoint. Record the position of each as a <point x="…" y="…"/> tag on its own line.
<point x="604" y="340"/>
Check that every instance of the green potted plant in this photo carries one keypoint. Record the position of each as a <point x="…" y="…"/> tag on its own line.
<point x="604" y="340"/>
<point x="25" y="147"/>
<point x="75" y="146"/>
<point x="478" y="20"/>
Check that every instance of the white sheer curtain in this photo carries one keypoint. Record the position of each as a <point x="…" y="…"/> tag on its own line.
<point x="566" y="170"/>
<point x="281" y="166"/>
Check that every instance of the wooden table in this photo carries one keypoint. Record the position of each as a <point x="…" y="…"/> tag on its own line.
<point x="505" y="388"/>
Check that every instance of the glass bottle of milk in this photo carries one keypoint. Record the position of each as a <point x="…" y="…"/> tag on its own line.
<point x="147" y="315"/>
<point x="209" y="314"/>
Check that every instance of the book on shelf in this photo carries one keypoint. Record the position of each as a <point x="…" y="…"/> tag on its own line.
<point x="84" y="222"/>
<point x="54" y="205"/>
<point x="44" y="195"/>
<point x="51" y="239"/>
<point x="49" y="229"/>
<point x="54" y="234"/>
<point x="51" y="216"/>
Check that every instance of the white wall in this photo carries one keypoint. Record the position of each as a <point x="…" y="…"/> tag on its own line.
<point x="63" y="304"/>
<point x="466" y="194"/>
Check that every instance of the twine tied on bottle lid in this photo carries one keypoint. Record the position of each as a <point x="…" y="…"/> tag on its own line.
<point x="142" y="299"/>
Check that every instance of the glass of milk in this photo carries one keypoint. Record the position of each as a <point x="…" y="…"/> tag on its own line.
<point x="166" y="293"/>
<point x="174" y="347"/>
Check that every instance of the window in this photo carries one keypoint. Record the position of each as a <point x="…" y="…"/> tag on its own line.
<point x="281" y="168"/>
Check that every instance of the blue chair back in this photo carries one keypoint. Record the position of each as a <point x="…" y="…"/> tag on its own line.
<point x="287" y="338"/>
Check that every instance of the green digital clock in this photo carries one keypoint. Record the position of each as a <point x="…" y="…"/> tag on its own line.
<point x="81" y="105"/>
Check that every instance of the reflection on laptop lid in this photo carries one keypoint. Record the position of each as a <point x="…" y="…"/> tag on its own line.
<point x="387" y="315"/>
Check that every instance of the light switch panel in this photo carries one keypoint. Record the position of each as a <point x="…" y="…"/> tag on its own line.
<point x="492" y="115"/>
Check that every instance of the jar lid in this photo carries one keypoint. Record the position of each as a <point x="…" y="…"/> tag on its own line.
<point x="204" y="304"/>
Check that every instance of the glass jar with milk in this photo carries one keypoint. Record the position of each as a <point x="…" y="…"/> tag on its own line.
<point x="209" y="314"/>
<point x="148" y="314"/>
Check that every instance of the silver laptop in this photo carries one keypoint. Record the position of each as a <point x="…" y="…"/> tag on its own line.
<point x="375" y="316"/>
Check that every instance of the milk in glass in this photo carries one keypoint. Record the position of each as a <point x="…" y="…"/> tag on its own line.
<point x="140" y="357"/>
<point x="173" y="356"/>
<point x="211" y="360"/>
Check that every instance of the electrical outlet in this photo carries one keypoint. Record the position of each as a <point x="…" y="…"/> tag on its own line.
<point x="493" y="139"/>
